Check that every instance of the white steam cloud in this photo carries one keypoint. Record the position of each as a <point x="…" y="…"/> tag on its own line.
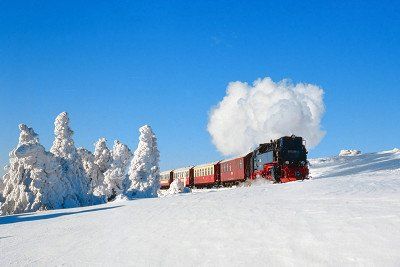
<point x="250" y="115"/>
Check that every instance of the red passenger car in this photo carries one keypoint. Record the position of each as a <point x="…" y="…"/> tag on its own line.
<point x="206" y="175"/>
<point x="185" y="175"/>
<point x="234" y="170"/>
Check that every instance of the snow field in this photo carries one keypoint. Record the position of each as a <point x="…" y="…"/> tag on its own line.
<point x="348" y="214"/>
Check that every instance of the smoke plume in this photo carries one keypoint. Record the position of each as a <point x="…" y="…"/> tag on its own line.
<point x="250" y="115"/>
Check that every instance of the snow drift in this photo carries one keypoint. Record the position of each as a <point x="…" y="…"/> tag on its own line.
<point x="250" y="115"/>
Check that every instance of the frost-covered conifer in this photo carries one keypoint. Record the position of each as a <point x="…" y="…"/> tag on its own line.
<point x="33" y="179"/>
<point x="102" y="155"/>
<point x="116" y="175"/>
<point x="63" y="145"/>
<point x="144" y="172"/>
<point x="2" y="187"/>
<point x="64" y="148"/>
<point x="92" y="171"/>
<point x="27" y="135"/>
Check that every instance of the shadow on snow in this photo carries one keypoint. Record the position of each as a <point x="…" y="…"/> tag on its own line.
<point x="26" y="217"/>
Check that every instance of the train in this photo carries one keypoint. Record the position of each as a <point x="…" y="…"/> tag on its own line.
<point x="280" y="161"/>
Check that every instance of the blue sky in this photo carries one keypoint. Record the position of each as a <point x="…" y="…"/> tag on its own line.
<point x="117" y="65"/>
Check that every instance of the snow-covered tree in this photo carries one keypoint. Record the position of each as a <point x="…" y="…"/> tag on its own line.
<point x="116" y="176"/>
<point x="33" y="179"/>
<point x="63" y="145"/>
<point x="2" y="186"/>
<point x="27" y="135"/>
<point x="144" y="172"/>
<point x="102" y="155"/>
<point x="92" y="171"/>
<point x="64" y="148"/>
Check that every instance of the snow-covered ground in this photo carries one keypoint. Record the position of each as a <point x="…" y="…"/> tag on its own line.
<point x="348" y="214"/>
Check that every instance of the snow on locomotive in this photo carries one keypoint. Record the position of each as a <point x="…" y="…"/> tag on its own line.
<point x="282" y="160"/>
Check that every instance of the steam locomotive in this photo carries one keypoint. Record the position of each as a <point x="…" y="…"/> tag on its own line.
<point x="281" y="160"/>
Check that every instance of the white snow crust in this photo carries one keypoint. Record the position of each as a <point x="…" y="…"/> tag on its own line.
<point x="347" y="214"/>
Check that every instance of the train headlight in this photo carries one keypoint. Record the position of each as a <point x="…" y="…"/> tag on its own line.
<point x="286" y="162"/>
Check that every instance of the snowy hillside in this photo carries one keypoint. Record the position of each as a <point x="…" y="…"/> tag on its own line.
<point x="348" y="214"/>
